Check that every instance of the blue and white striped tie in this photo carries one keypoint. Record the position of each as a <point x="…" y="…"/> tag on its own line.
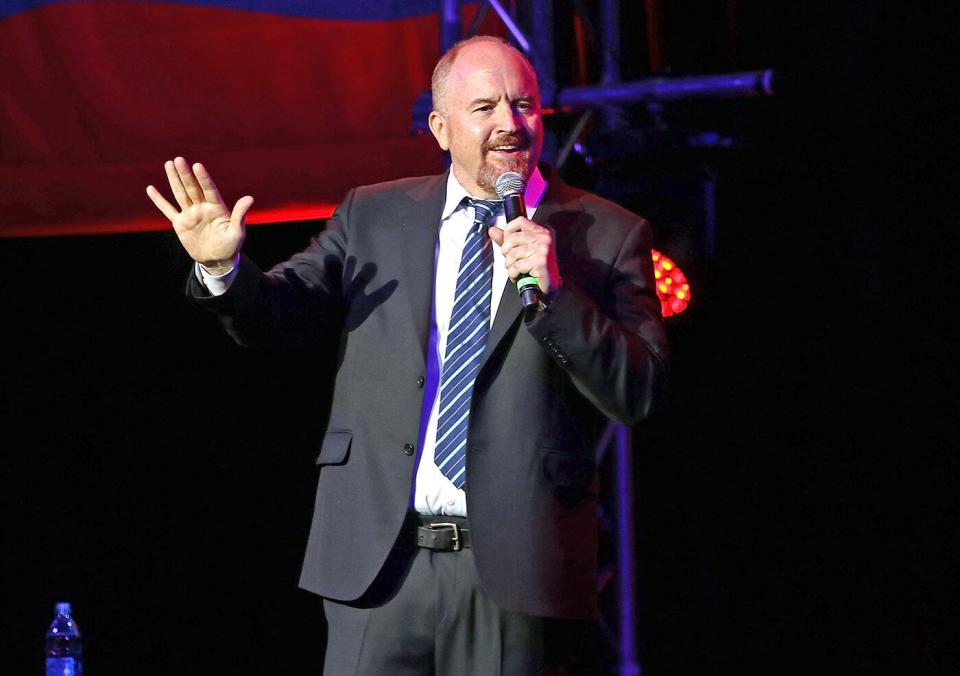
<point x="466" y="340"/>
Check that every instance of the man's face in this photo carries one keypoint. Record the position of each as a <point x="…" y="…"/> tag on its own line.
<point x="492" y="121"/>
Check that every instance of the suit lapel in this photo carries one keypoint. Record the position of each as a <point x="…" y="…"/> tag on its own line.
<point x="508" y="313"/>
<point x="420" y="224"/>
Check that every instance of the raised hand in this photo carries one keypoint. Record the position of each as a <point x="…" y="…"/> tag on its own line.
<point x="211" y="235"/>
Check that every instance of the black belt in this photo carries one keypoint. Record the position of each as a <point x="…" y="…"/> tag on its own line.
<point x="442" y="533"/>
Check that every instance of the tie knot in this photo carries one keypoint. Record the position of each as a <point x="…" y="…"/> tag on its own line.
<point x="483" y="210"/>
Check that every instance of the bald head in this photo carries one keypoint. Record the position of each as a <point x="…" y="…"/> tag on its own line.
<point x="439" y="83"/>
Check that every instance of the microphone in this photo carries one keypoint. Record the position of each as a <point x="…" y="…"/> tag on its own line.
<point x="510" y="187"/>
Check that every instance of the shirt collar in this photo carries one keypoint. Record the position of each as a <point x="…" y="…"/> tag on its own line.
<point x="536" y="187"/>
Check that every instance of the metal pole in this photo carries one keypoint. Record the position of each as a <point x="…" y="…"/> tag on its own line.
<point x="572" y="138"/>
<point x="449" y="24"/>
<point x="511" y="25"/>
<point x="541" y="48"/>
<point x="724" y="85"/>
<point x="611" y="58"/>
<point x="478" y="19"/>
<point x="629" y="666"/>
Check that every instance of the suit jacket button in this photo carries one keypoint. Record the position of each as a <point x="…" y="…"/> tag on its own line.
<point x="420" y="381"/>
<point x="408" y="449"/>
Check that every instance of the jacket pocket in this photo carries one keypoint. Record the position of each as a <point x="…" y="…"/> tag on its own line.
<point x="335" y="447"/>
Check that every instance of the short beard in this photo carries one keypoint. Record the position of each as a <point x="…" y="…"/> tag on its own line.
<point x="487" y="175"/>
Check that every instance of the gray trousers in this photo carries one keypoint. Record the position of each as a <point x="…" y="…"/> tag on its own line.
<point x="439" y="622"/>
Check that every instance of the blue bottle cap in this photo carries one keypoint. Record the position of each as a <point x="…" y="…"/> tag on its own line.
<point x="63" y="608"/>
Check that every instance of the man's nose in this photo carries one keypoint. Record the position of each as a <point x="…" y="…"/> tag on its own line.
<point x="507" y="118"/>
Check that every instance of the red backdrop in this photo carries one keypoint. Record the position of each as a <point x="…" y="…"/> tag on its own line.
<point x="292" y="109"/>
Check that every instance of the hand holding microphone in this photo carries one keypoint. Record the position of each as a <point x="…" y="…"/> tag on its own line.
<point x="527" y="247"/>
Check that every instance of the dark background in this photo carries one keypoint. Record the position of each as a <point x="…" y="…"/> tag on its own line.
<point x="794" y="515"/>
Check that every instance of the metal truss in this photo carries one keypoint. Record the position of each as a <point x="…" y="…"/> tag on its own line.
<point x="611" y="94"/>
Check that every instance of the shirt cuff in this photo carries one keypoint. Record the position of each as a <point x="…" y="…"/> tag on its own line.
<point x="217" y="285"/>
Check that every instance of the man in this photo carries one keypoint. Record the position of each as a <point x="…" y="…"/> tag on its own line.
<point x="455" y="524"/>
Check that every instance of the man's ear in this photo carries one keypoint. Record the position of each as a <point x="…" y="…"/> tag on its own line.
<point x="438" y="126"/>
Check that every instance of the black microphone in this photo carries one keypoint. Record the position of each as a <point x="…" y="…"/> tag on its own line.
<point x="510" y="187"/>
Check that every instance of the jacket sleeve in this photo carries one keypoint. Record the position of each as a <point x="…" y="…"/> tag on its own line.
<point x="610" y="341"/>
<point x="296" y="303"/>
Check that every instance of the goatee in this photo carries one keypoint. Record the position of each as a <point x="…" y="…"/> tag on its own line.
<point x="488" y="173"/>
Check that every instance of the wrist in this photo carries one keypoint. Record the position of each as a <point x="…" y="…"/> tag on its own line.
<point x="556" y="283"/>
<point x="220" y="267"/>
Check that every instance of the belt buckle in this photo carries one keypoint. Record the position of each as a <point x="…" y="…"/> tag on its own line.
<point x="456" y="533"/>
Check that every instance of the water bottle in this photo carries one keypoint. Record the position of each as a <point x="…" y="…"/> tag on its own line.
<point x="64" y="649"/>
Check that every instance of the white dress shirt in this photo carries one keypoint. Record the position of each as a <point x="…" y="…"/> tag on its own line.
<point x="434" y="493"/>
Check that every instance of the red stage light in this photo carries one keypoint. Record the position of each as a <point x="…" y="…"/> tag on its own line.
<point x="672" y="287"/>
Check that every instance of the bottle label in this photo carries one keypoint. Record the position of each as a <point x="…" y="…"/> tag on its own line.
<point x="64" y="666"/>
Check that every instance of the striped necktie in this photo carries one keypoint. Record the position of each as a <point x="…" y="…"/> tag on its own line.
<point x="466" y="340"/>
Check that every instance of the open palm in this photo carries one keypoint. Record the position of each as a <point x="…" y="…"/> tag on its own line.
<point x="210" y="233"/>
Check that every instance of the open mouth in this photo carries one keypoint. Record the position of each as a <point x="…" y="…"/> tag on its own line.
<point x="507" y="146"/>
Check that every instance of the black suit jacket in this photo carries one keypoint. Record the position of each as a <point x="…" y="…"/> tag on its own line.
<point x="541" y="398"/>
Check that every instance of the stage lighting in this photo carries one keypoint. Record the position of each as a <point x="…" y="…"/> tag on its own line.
<point x="672" y="287"/>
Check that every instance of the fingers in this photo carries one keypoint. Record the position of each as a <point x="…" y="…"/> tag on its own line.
<point x="516" y="244"/>
<point x="189" y="187"/>
<point x="161" y="203"/>
<point x="496" y="234"/>
<point x="522" y="224"/>
<point x="526" y="258"/>
<point x="209" y="188"/>
<point x="528" y="250"/>
<point x="176" y="185"/>
<point x="240" y="209"/>
<point x="189" y="180"/>
<point x="521" y="233"/>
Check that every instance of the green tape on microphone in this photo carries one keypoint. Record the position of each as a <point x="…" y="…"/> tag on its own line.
<point x="525" y="283"/>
